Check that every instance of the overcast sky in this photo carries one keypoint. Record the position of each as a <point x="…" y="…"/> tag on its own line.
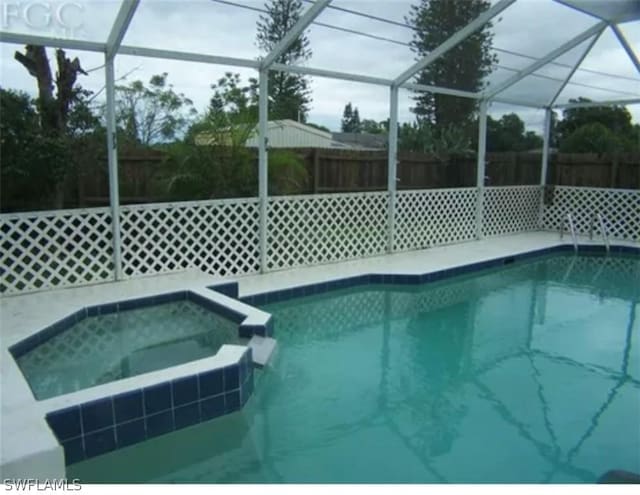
<point x="531" y="27"/>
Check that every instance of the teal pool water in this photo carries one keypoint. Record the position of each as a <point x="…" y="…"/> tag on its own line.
<point x="104" y="348"/>
<point x="527" y="373"/>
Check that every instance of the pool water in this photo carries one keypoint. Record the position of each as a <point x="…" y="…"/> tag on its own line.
<point x="526" y="373"/>
<point x="104" y="348"/>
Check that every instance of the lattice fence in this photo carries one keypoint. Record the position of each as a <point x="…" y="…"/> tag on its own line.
<point x="620" y="209"/>
<point x="308" y="230"/>
<point x="42" y="250"/>
<point x="430" y="217"/>
<point x="63" y="248"/>
<point x="220" y="237"/>
<point x="511" y="209"/>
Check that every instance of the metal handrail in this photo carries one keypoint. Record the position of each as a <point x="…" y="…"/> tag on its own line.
<point x="572" y="229"/>
<point x="569" y="268"/>
<point x="603" y="229"/>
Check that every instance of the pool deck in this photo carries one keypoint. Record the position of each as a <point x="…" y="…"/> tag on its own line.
<point x="29" y="448"/>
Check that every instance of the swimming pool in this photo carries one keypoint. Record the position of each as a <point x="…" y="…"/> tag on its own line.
<point x="525" y="373"/>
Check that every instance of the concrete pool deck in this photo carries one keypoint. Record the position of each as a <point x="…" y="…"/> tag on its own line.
<point x="29" y="448"/>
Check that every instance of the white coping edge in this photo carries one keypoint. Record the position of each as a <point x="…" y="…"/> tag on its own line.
<point x="417" y="262"/>
<point x="262" y="349"/>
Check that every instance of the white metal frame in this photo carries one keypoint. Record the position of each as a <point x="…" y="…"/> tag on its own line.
<point x="392" y="163"/>
<point x="308" y="17"/>
<point x="589" y="104"/>
<point x="481" y="166"/>
<point x="118" y="30"/>
<point x="113" y="47"/>
<point x="453" y="41"/>
<point x="550" y="57"/>
<point x="263" y="117"/>
<point x="545" y="162"/>
<point x="594" y="40"/>
<point x="627" y="47"/>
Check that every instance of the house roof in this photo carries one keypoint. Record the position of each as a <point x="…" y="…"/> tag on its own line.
<point x="362" y="140"/>
<point x="273" y="124"/>
<point x="358" y="142"/>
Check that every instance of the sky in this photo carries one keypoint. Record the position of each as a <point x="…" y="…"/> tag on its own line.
<point x="529" y="27"/>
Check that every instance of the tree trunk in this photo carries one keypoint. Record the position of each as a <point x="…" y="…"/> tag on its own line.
<point x="54" y="111"/>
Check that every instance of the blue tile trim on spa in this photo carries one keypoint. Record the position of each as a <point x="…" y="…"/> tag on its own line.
<point x="229" y="289"/>
<point x="417" y="279"/>
<point x="97" y="427"/>
<point x="244" y="331"/>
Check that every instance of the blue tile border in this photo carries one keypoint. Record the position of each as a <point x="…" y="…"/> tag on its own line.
<point x="100" y="426"/>
<point x="97" y="415"/>
<point x="418" y="279"/>
<point x="128" y="406"/>
<point x="229" y="289"/>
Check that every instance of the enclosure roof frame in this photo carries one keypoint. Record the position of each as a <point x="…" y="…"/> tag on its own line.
<point x="296" y="30"/>
<point x="549" y="57"/>
<point x="453" y="41"/>
<point x="120" y="26"/>
<point x="627" y="47"/>
<point x="128" y="8"/>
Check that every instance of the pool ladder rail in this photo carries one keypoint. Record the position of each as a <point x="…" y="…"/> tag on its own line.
<point x="603" y="229"/>
<point x="568" y="219"/>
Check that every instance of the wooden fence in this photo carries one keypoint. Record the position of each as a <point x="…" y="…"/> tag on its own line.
<point x="331" y="170"/>
<point x="342" y="171"/>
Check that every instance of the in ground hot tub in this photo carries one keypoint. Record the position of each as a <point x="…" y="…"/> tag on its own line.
<point x="112" y="375"/>
<point x="115" y="341"/>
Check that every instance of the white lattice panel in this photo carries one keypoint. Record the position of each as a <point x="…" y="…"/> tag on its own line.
<point x="430" y="217"/>
<point x="510" y="209"/>
<point x="308" y="230"/>
<point x="42" y="250"/>
<point x="620" y="209"/>
<point x="220" y="237"/>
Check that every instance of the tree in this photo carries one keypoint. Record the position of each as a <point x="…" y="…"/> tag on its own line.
<point x="29" y="155"/>
<point x="54" y="110"/>
<point x="622" y="135"/>
<point x="154" y="113"/>
<point x="213" y="161"/>
<point x="351" y="119"/>
<point x="372" y="127"/>
<point x="289" y="94"/>
<point x="424" y="137"/>
<point x="463" y="67"/>
<point x="508" y="134"/>
<point x="232" y="114"/>
<point x="234" y="100"/>
<point x="591" y="138"/>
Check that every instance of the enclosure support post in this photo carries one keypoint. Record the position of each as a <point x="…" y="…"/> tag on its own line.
<point x="392" y="164"/>
<point x="112" y="157"/>
<point x="545" y="162"/>
<point x="482" y="148"/>
<point x="263" y="164"/>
